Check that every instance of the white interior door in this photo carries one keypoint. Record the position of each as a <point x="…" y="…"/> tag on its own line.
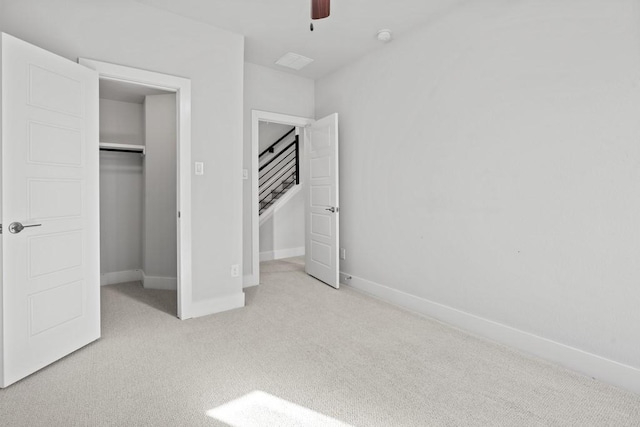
<point x="50" y="268"/>
<point x="322" y="211"/>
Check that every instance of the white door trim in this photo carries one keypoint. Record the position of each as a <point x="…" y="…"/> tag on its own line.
<point x="182" y="87"/>
<point x="258" y="116"/>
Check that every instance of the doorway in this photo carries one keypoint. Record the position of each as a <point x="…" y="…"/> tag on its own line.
<point x="138" y="230"/>
<point x="148" y="84"/>
<point x="281" y="203"/>
<point x="319" y="185"/>
<point x="270" y="124"/>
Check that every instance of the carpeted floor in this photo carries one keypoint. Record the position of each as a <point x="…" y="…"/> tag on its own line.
<point x="300" y="353"/>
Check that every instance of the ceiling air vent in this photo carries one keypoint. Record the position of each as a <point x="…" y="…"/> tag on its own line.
<point x="294" y="61"/>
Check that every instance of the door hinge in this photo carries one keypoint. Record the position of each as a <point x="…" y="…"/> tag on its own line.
<point x="178" y="214"/>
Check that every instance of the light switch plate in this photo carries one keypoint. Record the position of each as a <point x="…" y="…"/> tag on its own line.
<point x="199" y="168"/>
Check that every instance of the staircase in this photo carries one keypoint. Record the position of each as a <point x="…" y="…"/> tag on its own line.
<point x="279" y="169"/>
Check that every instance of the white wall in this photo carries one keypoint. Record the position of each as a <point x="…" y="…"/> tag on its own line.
<point x="1" y="197"/>
<point x="121" y="196"/>
<point x="121" y="122"/>
<point x="282" y="234"/>
<point x="268" y="90"/>
<point x="270" y="133"/>
<point x="159" y="252"/>
<point x="490" y="164"/>
<point x="121" y="191"/>
<point x="129" y="33"/>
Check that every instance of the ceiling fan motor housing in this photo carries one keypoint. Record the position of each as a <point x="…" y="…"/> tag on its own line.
<point x="320" y="9"/>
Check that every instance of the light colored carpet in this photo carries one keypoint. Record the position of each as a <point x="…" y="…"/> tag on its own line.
<point x="300" y="353"/>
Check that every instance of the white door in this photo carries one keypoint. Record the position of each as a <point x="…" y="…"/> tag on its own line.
<point x="322" y="211"/>
<point x="50" y="268"/>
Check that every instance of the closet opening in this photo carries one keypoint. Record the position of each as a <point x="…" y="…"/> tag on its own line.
<point x="138" y="186"/>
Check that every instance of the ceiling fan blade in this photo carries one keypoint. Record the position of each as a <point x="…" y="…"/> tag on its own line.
<point x="320" y="9"/>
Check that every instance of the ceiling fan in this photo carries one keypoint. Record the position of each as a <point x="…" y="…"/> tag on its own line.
<point x="319" y="9"/>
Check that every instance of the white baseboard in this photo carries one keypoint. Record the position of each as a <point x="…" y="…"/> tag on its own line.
<point x="216" y="305"/>
<point x="157" y="282"/>
<point x="120" y="277"/>
<point x="281" y="253"/>
<point x="595" y="366"/>
<point x="250" y="280"/>
<point x="148" y="282"/>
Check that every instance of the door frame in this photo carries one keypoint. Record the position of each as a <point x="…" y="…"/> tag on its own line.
<point x="258" y="116"/>
<point x="182" y="88"/>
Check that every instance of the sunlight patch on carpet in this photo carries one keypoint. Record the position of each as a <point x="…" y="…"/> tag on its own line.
<point x="263" y="409"/>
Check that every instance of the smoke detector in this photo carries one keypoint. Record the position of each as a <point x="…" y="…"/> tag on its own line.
<point x="384" y="35"/>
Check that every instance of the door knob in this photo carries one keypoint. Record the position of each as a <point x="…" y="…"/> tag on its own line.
<point x="16" y="227"/>
<point x="331" y="209"/>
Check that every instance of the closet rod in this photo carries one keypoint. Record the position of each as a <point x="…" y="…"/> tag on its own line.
<point x="123" y="148"/>
<point x="121" y="151"/>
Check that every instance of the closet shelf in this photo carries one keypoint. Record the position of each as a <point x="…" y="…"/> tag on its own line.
<point x="122" y="148"/>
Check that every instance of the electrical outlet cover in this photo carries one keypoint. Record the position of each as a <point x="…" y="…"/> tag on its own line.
<point x="235" y="270"/>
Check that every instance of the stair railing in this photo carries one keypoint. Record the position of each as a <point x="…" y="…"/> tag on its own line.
<point x="271" y="148"/>
<point x="280" y="172"/>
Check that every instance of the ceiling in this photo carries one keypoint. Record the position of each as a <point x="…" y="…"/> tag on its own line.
<point x="115" y="90"/>
<point x="275" y="27"/>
